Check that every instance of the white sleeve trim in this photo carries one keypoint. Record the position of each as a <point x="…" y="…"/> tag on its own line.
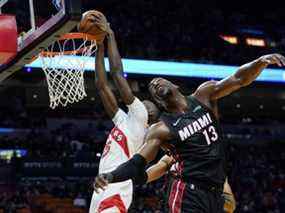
<point x="138" y="111"/>
<point x="119" y="117"/>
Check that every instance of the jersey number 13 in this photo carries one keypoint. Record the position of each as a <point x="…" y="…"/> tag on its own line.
<point x="210" y="134"/>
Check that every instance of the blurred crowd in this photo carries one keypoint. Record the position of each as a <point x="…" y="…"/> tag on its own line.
<point x="29" y="194"/>
<point x="257" y="177"/>
<point x="176" y="30"/>
<point x="187" y="30"/>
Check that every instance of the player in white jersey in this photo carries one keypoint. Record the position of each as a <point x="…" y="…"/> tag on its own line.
<point x="128" y="134"/>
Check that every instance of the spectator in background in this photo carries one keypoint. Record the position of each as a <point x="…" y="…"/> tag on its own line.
<point x="79" y="201"/>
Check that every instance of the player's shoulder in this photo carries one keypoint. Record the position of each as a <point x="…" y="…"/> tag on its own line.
<point x="204" y="87"/>
<point x="135" y="102"/>
<point x="119" y="117"/>
<point x="204" y="91"/>
<point x="137" y="109"/>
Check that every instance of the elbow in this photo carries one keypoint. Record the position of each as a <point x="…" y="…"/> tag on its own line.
<point x="116" y="67"/>
<point x="245" y="82"/>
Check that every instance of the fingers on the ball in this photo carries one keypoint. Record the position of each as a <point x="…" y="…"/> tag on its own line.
<point x="281" y="59"/>
<point x="91" y="18"/>
<point x="97" y="19"/>
<point x="276" y="60"/>
<point x="93" y="15"/>
<point x="100" y="15"/>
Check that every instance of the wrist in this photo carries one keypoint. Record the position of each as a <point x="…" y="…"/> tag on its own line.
<point x="262" y="61"/>
<point x="109" y="30"/>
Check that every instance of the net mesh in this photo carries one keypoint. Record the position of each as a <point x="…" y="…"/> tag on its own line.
<point x="66" y="85"/>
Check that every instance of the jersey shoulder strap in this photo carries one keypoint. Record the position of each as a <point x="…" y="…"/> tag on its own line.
<point x="169" y="120"/>
<point x="192" y="102"/>
<point x="195" y="103"/>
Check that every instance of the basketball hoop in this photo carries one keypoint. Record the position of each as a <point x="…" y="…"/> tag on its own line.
<point x="66" y="85"/>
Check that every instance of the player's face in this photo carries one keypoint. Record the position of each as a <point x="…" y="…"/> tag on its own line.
<point x="152" y="110"/>
<point x="161" y="89"/>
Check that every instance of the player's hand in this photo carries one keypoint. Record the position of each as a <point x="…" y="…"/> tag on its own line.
<point x="273" y="59"/>
<point x="102" y="22"/>
<point x="101" y="182"/>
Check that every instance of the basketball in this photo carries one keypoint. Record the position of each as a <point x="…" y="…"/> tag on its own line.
<point x="87" y="24"/>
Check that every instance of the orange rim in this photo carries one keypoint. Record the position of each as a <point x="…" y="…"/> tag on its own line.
<point x="89" y="37"/>
<point x="99" y="38"/>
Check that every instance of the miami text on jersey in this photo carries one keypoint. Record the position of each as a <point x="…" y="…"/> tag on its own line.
<point x="198" y="124"/>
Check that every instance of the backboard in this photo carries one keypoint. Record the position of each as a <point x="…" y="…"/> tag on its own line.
<point x="39" y="23"/>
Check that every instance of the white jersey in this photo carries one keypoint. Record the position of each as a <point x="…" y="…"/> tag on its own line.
<point x="123" y="142"/>
<point x="126" y="137"/>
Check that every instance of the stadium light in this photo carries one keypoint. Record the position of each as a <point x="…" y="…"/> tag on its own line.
<point x="230" y="39"/>
<point x="258" y="42"/>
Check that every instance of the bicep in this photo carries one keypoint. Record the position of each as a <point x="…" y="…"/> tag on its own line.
<point x="225" y="87"/>
<point x="109" y="101"/>
<point x="218" y="89"/>
<point x="157" y="135"/>
<point x="150" y="149"/>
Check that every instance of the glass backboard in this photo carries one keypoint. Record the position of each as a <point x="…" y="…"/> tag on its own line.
<point x="39" y="23"/>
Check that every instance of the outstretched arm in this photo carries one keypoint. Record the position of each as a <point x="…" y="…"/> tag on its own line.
<point x="244" y="76"/>
<point x="105" y="92"/>
<point x="159" y="169"/>
<point x="135" y="167"/>
<point x="116" y="66"/>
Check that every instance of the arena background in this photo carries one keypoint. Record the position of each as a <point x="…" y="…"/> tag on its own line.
<point x="49" y="156"/>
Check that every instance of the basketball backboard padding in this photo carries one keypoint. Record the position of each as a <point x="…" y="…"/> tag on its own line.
<point x="63" y="22"/>
<point x="8" y="38"/>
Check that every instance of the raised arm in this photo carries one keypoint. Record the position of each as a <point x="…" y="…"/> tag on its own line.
<point x="244" y="76"/>
<point x="135" y="167"/>
<point x="116" y="69"/>
<point x="116" y="66"/>
<point x="105" y="92"/>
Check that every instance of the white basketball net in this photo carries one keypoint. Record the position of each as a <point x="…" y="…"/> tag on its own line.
<point x="66" y="85"/>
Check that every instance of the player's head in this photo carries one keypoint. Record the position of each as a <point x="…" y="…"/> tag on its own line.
<point x="162" y="90"/>
<point x="152" y="110"/>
